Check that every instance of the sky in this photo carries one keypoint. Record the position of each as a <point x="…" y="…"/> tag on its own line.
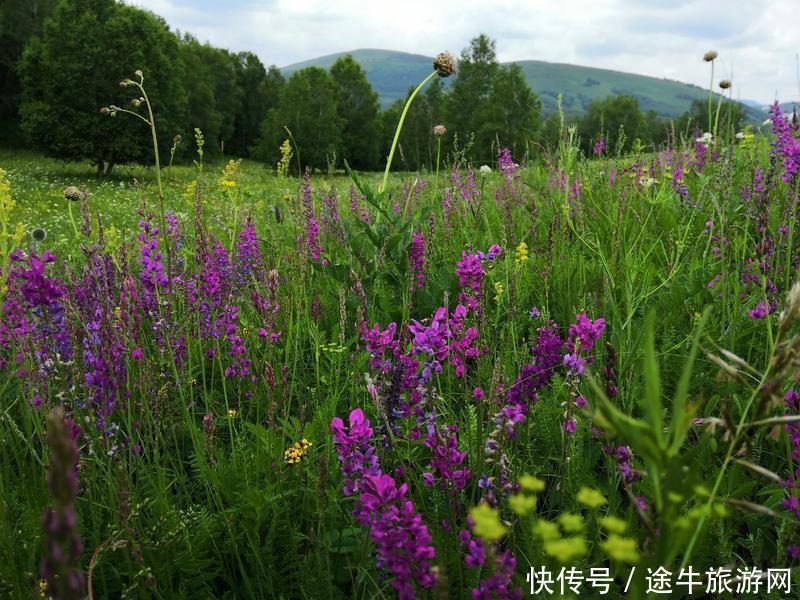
<point x="756" y="39"/>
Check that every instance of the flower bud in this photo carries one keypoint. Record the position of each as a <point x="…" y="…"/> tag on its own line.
<point x="445" y="64"/>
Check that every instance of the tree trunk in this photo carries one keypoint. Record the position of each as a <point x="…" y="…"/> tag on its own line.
<point x="100" y="167"/>
<point x="110" y="167"/>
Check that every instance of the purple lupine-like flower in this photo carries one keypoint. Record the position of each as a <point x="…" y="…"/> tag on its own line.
<point x="599" y="146"/>
<point x="498" y="585"/>
<point x="331" y="205"/>
<point x="505" y="162"/>
<point x="700" y="152"/>
<point x="63" y="545"/>
<point x="355" y="451"/>
<point x="624" y="458"/>
<point x="476" y="550"/>
<point x="153" y="274"/>
<point x="470" y="271"/>
<point x="403" y="544"/>
<point x="416" y="257"/>
<point x="785" y="145"/>
<point x="248" y="265"/>
<point x="313" y="247"/>
<point x="378" y="343"/>
<point x="584" y="333"/>
<point x="447" y="462"/>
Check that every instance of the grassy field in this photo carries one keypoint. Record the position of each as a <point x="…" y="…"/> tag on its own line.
<point x="577" y="362"/>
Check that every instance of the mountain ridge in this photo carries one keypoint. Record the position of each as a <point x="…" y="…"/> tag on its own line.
<point x="392" y="73"/>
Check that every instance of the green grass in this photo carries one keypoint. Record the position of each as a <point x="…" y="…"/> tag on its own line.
<point x="209" y="508"/>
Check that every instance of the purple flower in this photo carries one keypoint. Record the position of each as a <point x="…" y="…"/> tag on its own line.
<point x="416" y="257"/>
<point x="402" y="542"/>
<point x="470" y="271"/>
<point x="599" y="146"/>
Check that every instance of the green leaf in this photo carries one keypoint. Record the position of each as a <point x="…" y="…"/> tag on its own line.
<point x="681" y="416"/>
<point x="652" y="382"/>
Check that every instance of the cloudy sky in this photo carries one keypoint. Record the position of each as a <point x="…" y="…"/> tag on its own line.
<point x="756" y="39"/>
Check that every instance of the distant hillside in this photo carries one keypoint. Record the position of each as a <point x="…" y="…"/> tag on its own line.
<point x="392" y="73"/>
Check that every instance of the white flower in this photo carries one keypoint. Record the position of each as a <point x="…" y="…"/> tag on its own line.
<point x="767" y="122"/>
<point x="740" y="135"/>
<point x="485" y="170"/>
<point x="647" y="182"/>
<point x="705" y="138"/>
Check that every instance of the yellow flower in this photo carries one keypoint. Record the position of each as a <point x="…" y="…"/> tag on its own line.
<point x="498" y="291"/>
<point x="286" y="156"/>
<point x="521" y="254"/>
<point x="42" y="585"/>
<point x="295" y="452"/>
<point x="531" y="483"/>
<point x="590" y="498"/>
<point x="230" y="173"/>
<point x="487" y="523"/>
<point x="565" y="549"/>
<point x="232" y="412"/>
<point x="620" y="548"/>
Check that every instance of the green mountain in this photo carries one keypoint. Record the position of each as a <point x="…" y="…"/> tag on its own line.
<point x="393" y="73"/>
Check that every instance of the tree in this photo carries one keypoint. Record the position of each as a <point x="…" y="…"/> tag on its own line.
<point x="260" y="92"/>
<point x="309" y="108"/>
<point x="213" y="91"/>
<point x="86" y="48"/>
<point x="509" y="117"/>
<point x="359" y="112"/>
<point x="605" y="117"/>
<point x="19" y="20"/>
<point x="731" y="116"/>
<point x="476" y="71"/>
<point x="417" y="143"/>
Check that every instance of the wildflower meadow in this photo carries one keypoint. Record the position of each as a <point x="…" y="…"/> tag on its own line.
<point x="568" y="372"/>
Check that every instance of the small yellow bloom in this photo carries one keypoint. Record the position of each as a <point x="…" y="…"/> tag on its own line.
<point x="295" y="452"/>
<point x="230" y="173"/>
<point x="42" y="585"/>
<point x="487" y="523"/>
<point x="232" y="412"/>
<point x="521" y="254"/>
<point x="498" y="290"/>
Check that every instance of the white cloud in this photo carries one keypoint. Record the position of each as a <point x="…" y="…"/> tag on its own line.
<point x="756" y="41"/>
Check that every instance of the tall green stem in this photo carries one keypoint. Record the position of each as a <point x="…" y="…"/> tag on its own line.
<point x="158" y="181"/>
<point x="710" y="94"/>
<point x="716" y="119"/>
<point x="438" y="154"/>
<point x="400" y="127"/>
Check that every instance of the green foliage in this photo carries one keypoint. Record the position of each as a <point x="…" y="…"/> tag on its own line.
<point x="309" y="108"/>
<point x="19" y="20"/>
<point x="617" y="119"/>
<point x="358" y="113"/>
<point x="68" y="75"/>
<point x="509" y="117"/>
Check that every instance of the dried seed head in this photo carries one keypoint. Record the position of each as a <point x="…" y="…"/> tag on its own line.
<point x="136" y="102"/>
<point x="725" y="84"/>
<point x="710" y="55"/>
<point x="105" y="110"/>
<point x="74" y="194"/>
<point x="439" y="130"/>
<point x="791" y="308"/>
<point x="445" y="64"/>
<point x="138" y="73"/>
<point x="38" y="234"/>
